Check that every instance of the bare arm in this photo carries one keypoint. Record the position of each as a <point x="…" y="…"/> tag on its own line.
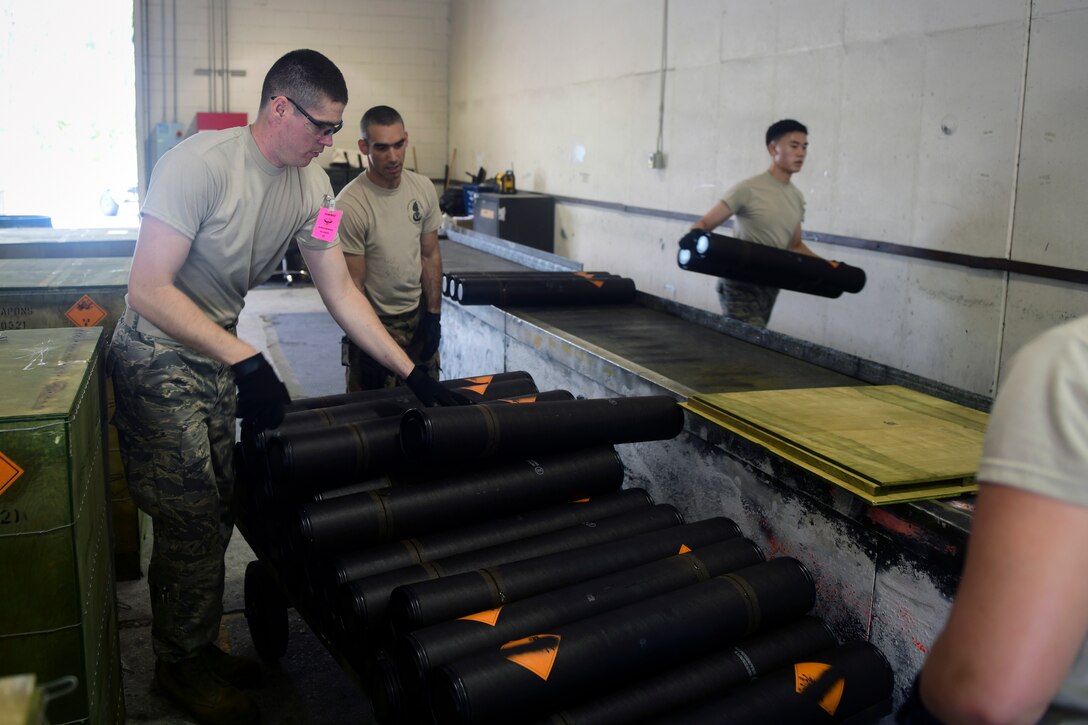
<point x="714" y="218"/>
<point x="160" y="252"/>
<point x="357" y="270"/>
<point x="1020" y="615"/>
<point x="796" y="245"/>
<point x="352" y="311"/>
<point x="431" y="277"/>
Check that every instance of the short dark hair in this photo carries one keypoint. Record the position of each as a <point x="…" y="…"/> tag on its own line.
<point x="379" y="116"/>
<point x="778" y="129"/>
<point x="307" y="77"/>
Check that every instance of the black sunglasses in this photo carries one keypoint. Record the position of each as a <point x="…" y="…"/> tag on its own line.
<point x="324" y="128"/>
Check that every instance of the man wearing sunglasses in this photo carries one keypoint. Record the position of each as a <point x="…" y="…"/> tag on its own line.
<point x="221" y="209"/>
<point x="390" y="239"/>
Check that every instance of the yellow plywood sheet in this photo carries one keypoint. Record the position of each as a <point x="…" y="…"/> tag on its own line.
<point x="885" y="443"/>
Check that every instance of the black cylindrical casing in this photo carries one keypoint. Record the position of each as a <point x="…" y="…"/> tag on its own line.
<point x="531" y="292"/>
<point x="305" y="460"/>
<point x="430" y="602"/>
<point x="493" y="283"/>
<point x="473" y="432"/>
<point x="759" y="264"/>
<point x="805" y="270"/>
<point x="664" y="693"/>
<point x="474" y="382"/>
<point x="431" y="547"/>
<point x="387" y="695"/>
<point x="742" y="271"/>
<point x="400" y="512"/>
<point x="551" y="670"/>
<point x="853" y="680"/>
<point x="419" y="651"/>
<point x="364" y="410"/>
<point x="365" y="602"/>
<point x="322" y="458"/>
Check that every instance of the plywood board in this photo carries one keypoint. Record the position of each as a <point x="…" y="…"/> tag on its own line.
<point x="885" y="443"/>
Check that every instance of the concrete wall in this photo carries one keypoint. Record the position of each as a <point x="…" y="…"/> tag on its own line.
<point x="392" y="52"/>
<point x="948" y="127"/>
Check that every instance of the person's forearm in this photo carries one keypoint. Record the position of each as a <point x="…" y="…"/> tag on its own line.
<point x="357" y="318"/>
<point x="431" y="272"/>
<point x="171" y="310"/>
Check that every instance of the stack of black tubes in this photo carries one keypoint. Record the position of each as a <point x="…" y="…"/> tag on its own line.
<point x="486" y="564"/>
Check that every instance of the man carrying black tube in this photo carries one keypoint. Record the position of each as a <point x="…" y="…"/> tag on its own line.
<point x="769" y="210"/>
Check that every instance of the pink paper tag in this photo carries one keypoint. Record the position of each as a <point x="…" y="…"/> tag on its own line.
<point x="326" y="225"/>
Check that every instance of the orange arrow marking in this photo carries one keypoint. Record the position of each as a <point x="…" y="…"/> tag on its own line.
<point x="805" y="673"/>
<point x="538" y="661"/>
<point x="488" y="616"/>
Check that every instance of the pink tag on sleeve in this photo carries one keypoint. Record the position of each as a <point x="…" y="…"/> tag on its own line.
<point x="328" y="221"/>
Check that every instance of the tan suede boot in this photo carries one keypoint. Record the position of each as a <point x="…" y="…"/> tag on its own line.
<point x="191" y="684"/>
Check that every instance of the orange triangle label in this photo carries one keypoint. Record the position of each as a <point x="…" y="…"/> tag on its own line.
<point x="9" y="471"/>
<point x="805" y="673"/>
<point x="481" y="379"/>
<point x="478" y="389"/>
<point x="598" y="283"/>
<point x="538" y="661"/>
<point x="581" y="500"/>
<point x="522" y="399"/>
<point x="684" y="548"/>
<point x="488" y="616"/>
<point x="85" y="312"/>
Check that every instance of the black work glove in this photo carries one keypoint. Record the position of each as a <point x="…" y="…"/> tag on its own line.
<point x="261" y="395"/>
<point x="914" y="711"/>
<point x="424" y="343"/>
<point x="430" y="392"/>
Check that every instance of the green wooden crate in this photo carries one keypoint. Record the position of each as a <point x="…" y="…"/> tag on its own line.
<point x="57" y="613"/>
<point x="61" y="292"/>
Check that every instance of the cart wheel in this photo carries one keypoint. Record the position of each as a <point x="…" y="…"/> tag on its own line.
<point x="266" y="612"/>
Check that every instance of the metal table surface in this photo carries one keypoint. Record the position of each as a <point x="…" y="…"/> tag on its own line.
<point x="698" y="358"/>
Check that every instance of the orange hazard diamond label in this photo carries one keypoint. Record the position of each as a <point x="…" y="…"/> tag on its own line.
<point x="482" y="379"/>
<point x="539" y="655"/>
<point x="478" y="389"/>
<point x="805" y="673"/>
<point x="85" y="312"/>
<point x="489" y="616"/>
<point x="9" y="472"/>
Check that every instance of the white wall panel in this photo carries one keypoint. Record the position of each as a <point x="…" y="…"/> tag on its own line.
<point x="1050" y="214"/>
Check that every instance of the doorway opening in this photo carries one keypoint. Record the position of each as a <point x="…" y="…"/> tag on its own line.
<point x="68" y="134"/>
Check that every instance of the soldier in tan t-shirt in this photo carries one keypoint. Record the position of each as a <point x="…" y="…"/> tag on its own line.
<point x="389" y="234"/>
<point x="769" y="210"/>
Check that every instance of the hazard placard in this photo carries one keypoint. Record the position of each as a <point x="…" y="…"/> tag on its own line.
<point x="85" y="312"/>
<point x="488" y="616"/>
<point x="9" y="472"/>
<point x="540" y="658"/>
<point x="805" y="673"/>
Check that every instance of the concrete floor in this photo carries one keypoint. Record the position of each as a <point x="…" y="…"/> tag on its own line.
<point x="307" y="685"/>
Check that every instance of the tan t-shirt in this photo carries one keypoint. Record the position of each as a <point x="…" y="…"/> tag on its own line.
<point x="766" y="210"/>
<point x="239" y="210"/>
<point x="384" y="225"/>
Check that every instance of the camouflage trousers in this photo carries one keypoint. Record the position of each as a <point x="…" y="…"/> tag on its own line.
<point x="365" y="373"/>
<point x="751" y="303"/>
<point x="175" y="419"/>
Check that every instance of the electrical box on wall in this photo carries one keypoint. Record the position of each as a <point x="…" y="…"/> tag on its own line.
<point x="167" y="136"/>
<point x="656" y="160"/>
